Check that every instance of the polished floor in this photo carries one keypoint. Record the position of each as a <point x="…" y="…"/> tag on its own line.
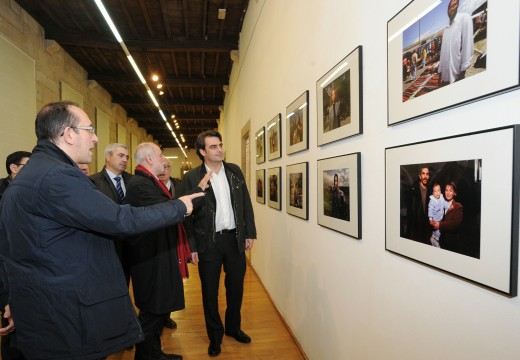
<point x="260" y="320"/>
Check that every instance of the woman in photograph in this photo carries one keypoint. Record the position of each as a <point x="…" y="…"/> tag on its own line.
<point x="449" y="226"/>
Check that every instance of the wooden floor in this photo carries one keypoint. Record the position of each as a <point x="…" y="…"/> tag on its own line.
<point x="260" y="320"/>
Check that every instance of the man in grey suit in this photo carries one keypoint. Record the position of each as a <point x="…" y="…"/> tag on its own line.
<point x="111" y="182"/>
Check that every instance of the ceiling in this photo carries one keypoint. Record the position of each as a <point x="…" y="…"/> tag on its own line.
<point x="182" y="41"/>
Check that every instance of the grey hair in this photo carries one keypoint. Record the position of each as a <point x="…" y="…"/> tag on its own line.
<point x="109" y="150"/>
<point x="144" y="149"/>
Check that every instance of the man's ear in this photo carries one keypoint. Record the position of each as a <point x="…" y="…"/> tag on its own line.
<point x="12" y="167"/>
<point x="68" y="135"/>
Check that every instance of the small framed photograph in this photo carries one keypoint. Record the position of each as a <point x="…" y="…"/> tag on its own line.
<point x="297" y="124"/>
<point x="438" y="55"/>
<point x="274" y="132"/>
<point x="339" y="194"/>
<point x="260" y="186"/>
<point x="275" y="187"/>
<point x="297" y="194"/>
<point x="452" y="204"/>
<point x="260" y="145"/>
<point x="339" y="93"/>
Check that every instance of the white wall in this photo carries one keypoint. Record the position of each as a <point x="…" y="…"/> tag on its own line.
<point x="344" y="298"/>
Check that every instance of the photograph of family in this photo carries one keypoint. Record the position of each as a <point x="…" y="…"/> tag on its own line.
<point x="440" y="205"/>
<point x="446" y="45"/>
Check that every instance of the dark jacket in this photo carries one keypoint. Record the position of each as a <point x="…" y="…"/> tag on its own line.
<point x="105" y="184"/>
<point x="156" y="277"/>
<point x="4" y="183"/>
<point x="68" y="295"/>
<point x="200" y="226"/>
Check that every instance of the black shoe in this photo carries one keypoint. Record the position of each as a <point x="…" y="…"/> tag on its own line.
<point x="240" y="336"/>
<point x="214" y="348"/>
<point x="165" y="356"/>
<point x="170" y="324"/>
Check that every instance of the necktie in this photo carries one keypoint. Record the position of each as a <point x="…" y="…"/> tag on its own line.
<point x="119" y="189"/>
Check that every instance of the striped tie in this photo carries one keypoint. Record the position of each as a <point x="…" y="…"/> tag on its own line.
<point x="119" y="189"/>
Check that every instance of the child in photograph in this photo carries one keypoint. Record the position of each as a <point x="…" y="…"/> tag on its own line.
<point x="437" y="206"/>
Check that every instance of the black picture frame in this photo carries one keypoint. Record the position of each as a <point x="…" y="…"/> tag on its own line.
<point x="260" y="145"/>
<point x="273" y="132"/>
<point x="339" y="204"/>
<point x="340" y="100"/>
<point x="478" y="232"/>
<point x="274" y="179"/>
<point x="297" y="124"/>
<point x="435" y="81"/>
<point x="260" y="186"/>
<point x="297" y="193"/>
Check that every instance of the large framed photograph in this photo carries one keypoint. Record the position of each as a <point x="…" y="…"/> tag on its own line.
<point x="260" y="145"/>
<point x="274" y="176"/>
<point x="260" y="186"/>
<point x="438" y="55"/>
<point x="452" y="203"/>
<point x="297" y="124"/>
<point x="274" y="133"/>
<point x="339" y="93"/>
<point x="339" y="194"/>
<point x="297" y="194"/>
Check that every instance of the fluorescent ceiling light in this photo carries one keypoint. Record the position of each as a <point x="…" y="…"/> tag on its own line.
<point x="136" y="69"/>
<point x="108" y="20"/>
<point x="152" y="97"/>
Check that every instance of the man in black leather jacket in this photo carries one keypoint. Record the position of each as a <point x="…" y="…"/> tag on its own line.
<point x="219" y="232"/>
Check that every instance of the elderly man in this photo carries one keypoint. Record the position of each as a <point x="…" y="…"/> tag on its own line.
<point x="67" y="291"/>
<point x="156" y="277"/>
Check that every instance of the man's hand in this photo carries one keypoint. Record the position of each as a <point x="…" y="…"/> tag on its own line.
<point x="203" y="184"/>
<point x="9" y="328"/>
<point x="194" y="258"/>
<point x="187" y="200"/>
<point x="249" y="243"/>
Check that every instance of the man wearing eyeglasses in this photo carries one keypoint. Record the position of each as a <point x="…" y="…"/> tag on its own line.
<point x="13" y="164"/>
<point x="67" y="293"/>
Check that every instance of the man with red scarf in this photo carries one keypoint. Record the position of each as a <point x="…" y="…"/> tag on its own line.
<point x="156" y="277"/>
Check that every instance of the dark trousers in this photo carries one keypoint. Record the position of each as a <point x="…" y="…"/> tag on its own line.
<point x="234" y="262"/>
<point x="152" y="325"/>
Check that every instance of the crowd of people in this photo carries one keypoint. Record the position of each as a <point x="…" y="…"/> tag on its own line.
<point x="70" y="244"/>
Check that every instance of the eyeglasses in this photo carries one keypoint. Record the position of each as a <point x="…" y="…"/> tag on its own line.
<point x="19" y="164"/>
<point x="91" y="129"/>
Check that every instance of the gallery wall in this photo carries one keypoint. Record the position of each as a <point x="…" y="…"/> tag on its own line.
<point x="345" y="298"/>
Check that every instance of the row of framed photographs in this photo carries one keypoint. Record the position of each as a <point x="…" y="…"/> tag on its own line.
<point x="339" y="191"/>
<point x="464" y="222"/>
<point x="339" y="104"/>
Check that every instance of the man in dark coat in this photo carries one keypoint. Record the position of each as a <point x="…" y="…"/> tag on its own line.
<point x="111" y="182"/>
<point x="67" y="293"/>
<point x="418" y="222"/>
<point x="156" y="277"/>
<point x="219" y="232"/>
<point x="13" y="164"/>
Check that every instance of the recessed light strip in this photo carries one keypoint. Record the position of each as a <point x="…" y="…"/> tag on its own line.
<point x="119" y="39"/>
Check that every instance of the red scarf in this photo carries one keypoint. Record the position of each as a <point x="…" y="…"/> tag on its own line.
<point x="183" y="248"/>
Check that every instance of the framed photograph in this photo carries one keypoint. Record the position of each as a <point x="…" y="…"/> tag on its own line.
<point x="297" y="124"/>
<point x="339" y="194"/>
<point x="340" y="101"/>
<point x="275" y="187"/>
<point x="260" y="186"/>
<point x="452" y="203"/>
<point x="438" y="55"/>
<point x="297" y="194"/>
<point x="274" y="133"/>
<point x="260" y="145"/>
